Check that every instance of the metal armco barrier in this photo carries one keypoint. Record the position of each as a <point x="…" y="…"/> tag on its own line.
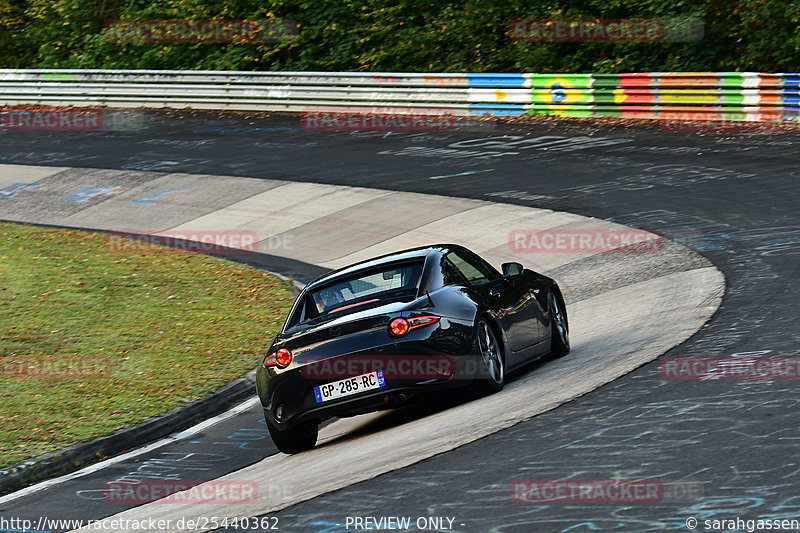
<point x="654" y="95"/>
<point x="658" y="95"/>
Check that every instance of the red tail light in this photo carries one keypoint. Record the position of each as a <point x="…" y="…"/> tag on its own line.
<point x="400" y="326"/>
<point x="282" y="358"/>
<point x="419" y="321"/>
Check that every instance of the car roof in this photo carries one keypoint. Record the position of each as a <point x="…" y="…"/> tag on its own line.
<point x="411" y="253"/>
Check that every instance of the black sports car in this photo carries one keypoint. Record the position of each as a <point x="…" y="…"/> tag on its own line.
<point x="378" y="333"/>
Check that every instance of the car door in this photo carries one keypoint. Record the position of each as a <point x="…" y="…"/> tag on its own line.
<point x="512" y="301"/>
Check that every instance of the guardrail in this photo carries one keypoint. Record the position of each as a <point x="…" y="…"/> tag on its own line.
<point x="655" y="95"/>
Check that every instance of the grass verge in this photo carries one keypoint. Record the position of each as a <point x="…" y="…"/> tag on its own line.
<point x="93" y="340"/>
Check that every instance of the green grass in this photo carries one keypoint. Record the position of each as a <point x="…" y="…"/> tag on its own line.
<point x="172" y="325"/>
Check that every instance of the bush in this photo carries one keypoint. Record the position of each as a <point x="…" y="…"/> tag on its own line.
<point x="402" y="35"/>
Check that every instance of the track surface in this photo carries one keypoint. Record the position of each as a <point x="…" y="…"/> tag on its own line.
<point x="668" y="296"/>
<point x="733" y="198"/>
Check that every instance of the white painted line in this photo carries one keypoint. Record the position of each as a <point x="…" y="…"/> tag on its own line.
<point x="244" y="406"/>
<point x="461" y="174"/>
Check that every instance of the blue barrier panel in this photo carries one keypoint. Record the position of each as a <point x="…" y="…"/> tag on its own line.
<point x="496" y="80"/>
<point x="791" y="98"/>
<point x="791" y="81"/>
<point x="500" y="110"/>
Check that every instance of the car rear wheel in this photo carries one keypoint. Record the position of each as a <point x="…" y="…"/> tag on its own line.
<point x="559" y="328"/>
<point x="492" y="358"/>
<point x="296" y="439"/>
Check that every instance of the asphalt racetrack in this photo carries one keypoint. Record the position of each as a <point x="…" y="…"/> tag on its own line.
<point x="728" y="448"/>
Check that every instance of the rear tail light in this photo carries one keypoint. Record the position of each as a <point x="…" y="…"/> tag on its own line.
<point x="282" y="358"/>
<point x="419" y="321"/>
<point x="400" y="326"/>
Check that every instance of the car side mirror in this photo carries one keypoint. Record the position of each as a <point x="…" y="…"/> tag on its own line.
<point x="511" y="270"/>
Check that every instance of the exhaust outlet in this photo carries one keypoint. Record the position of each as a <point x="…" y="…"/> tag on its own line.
<point x="396" y="400"/>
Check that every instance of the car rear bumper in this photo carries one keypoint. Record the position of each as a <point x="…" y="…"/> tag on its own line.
<point x="289" y="399"/>
<point x="376" y="400"/>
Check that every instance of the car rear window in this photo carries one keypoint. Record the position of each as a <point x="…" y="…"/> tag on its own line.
<point x="363" y="290"/>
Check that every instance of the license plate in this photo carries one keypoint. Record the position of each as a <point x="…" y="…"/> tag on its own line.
<point x="349" y="386"/>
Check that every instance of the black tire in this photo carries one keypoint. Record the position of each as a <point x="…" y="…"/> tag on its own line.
<point x="490" y="353"/>
<point x="559" y="326"/>
<point x="297" y="439"/>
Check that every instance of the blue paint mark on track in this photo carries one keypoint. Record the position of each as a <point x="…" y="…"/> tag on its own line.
<point x="12" y="190"/>
<point x="90" y="192"/>
<point x="154" y="198"/>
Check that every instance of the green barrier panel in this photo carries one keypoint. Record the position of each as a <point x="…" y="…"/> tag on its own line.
<point x="562" y="90"/>
<point x="567" y="80"/>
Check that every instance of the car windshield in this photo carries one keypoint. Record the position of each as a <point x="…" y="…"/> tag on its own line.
<point x="363" y="290"/>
